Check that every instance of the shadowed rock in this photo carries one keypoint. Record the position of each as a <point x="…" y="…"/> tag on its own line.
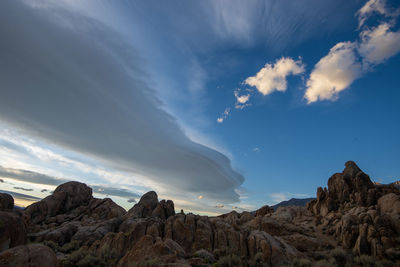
<point x="6" y="201"/>
<point x="32" y="255"/>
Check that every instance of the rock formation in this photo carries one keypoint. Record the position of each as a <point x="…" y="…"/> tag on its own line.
<point x="360" y="215"/>
<point x="350" y="218"/>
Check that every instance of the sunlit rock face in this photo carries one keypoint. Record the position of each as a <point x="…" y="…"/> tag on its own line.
<point x="350" y="218"/>
<point x="361" y="215"/>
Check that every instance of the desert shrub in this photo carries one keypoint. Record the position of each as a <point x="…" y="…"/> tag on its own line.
<point x="339" y="255"/>
<point x="300" y="262"/>
<point x="323" y="263"/>
<point x="108" y="253"/>
<point x="365" y="260"/>
<point x="78" y="255"/>
<point x="51" y="244"/>
<point x="369" y="261"/>
<point x="91" y="260"/>
<point x="147" y="263"/>
<point x="317" y="255"/>
<point x="71" y="246"/>
<point x="228" y="260"/>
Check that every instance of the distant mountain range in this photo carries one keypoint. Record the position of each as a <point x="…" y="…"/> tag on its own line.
<point x="300" y="202"/>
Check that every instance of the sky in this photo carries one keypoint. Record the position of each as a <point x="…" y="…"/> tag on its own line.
<point x="217" y="105"/>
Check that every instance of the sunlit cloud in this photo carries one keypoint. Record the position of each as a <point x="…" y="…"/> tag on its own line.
<point x="272" y="77"/>
<point x="348" y="61"/>
<point x="333" y="73"/>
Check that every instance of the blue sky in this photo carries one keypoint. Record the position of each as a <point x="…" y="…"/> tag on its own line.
<point x="218" y="105"/>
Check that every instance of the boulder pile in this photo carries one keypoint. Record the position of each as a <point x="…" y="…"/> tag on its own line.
<point x="352" y="219"/>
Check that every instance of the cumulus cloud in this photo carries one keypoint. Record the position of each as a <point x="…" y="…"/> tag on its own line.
<point x="76" y="83"/>
<point x="219" y="206"/>
<point x="333" y="73"/>
<point x="348" y="61"/>
<point x="272" y="77"/>
<point x="374" y="6"/>
<point x="378" y="44"/>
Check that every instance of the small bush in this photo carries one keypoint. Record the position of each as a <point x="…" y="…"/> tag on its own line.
<point x="229" y="260"/>
<point x="300" y="262"/>
<point x="146" y="263"/>
<point x="323" y="263"/>
<point x="71" y="246"/>
<point x="339" y="255"/>
<point x="51" y="244"/>
<point x="91" y="260"/>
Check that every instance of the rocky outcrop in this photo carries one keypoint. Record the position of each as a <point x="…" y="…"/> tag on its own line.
<point x="6" y="201"/>
<point x="352" y="214"/>
<point x="149" y="206"/>
<point x="359" y="214"/>
<point x="72" y="214"/>
<point x="64" y="199"/>
<point x="33" y="255"/>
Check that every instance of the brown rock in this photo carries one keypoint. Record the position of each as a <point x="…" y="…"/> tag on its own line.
<point x="264" y="210"/>
<point x="33" y="255"/>
<point x="65" y="198"/>
<point x="12" y="230"/>
<point x="6" y="201"/>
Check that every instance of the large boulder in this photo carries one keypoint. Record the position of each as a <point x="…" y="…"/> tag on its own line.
<point x="32" y="255"/>
<point x="6" y="201"/>
<point x="148" y="206"/>
<point x="148" y="202"/>
<point x="12" y="230"/>
<point x="65" y="198"/>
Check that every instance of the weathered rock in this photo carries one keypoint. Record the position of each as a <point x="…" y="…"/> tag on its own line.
<point x="389" y="203"/>
<point x="275" y="252"/>
<point x="65" y="198"/>
<point x="6" y="201"/>
<point x="12" y="230"/>
<point x="149" y="206"/>
<point x="33" y="255"/>
<point x="149" y="247"/>
<point x="264" y="210"/>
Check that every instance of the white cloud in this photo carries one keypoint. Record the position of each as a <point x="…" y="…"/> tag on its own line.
<point x="378" y="44"/>
<point x="272" y="77"/>
<point x="333" y="73"/>
<point x="241" y="100"/>
<point x="256" y="149"/>
<point x="224" y="115"/>
<point x="374" y="6"/>
<point x="347" y="61"/>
